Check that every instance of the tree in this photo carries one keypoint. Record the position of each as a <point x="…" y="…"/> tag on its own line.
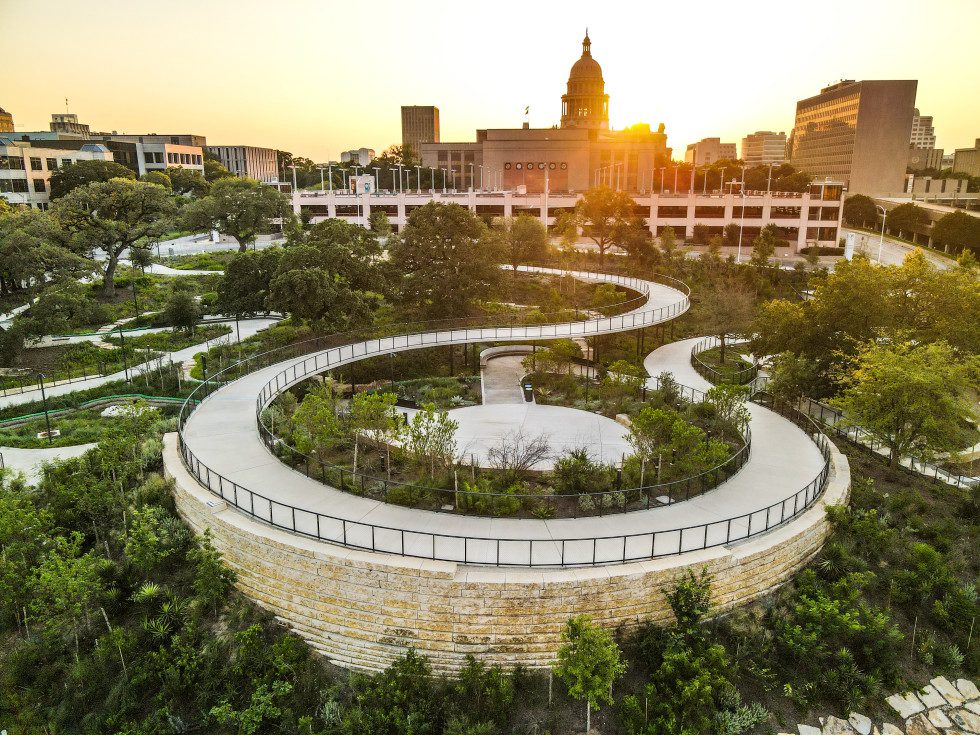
<point x="701" y="234"/>
<point x="374" y="415"/>
<point x="912" y="397"/>
<point x="957" y="231"/>
<point x="247" y="282"/>
<point x="80" y="173"/>
<point x="521" y="240"/>
<point x="380" y="225"/>
<point x="443" y="262"/>
<point x="159" y="178"/>
<point x="33" y="252"/>
<point x="906" y="218"/>
<point x="188" y="181"/>
<point x="730" y="234"/>
<point x="316" y="425"/>
<point x="214" y="170"/>
<point x="431" y="438"/>
<point x="114" y="216"/>
<point x="602" y="213"/>
<point x="241" y="208"/>
<point x="860" y="210"/>
<point x="659" y="434"/>
<point x="727" y="307"/>
<point x="182" y="311"/>
<point x="763" y="248"/>
<point x="588" y="662"/>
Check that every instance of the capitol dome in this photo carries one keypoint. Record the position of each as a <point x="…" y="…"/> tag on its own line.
<point x="585" y="104"/>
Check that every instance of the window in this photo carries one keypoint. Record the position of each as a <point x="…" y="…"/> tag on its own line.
<point x="750" y="212"/>
<point x="172" y="157"/>
<point x="709" y="212"/>
<point x="35" y="164"/>
<point x="671" y="212"/>
<point x="12" y="163"/>
<point x="52" y="164"/>
<point x="39" y="187"/>
<point x="65" y="162"/>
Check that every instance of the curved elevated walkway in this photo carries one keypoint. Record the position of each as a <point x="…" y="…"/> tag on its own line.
<point x="223" y="447"/>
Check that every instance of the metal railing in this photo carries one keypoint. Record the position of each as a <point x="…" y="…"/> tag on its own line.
<point x="487" y="549"/>
<point x="497" y="504"/>
<point x="833" y="419"/>
<point x="712" y="374"/>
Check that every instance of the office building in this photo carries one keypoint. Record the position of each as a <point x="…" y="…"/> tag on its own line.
<point x="763" y="147"/>
<point x="856" y="132"/>
<point x="67" y="122"/>
<point x="967" y="160"/>
<point x="6" y="121"/>
<point x="246" y="161"/>
<point x="360" y="156"/>
<point x="708" y="151"/>
<point x="25" y="168"/>
<point x="579" y="154"/>
<point x="801" y="218"/>
<point x="922" y="158"/>
<point x="420" y="124"/>
<point x="923" y="133"/>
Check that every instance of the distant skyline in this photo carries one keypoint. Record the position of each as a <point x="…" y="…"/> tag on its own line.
<point x="316" y="78"/>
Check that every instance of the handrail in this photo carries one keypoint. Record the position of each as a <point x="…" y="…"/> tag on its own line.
<point x="603" y="502"/>
<point x="493" y="550"/>
<point x="713" y="375"/>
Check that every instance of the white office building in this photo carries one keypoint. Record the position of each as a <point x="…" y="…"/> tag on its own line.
<point x="923" y="133"/>
<point x="358" y="156"/>
<point x="763" y="147"/>
<point x="25" y="170"/>
<point x="246" y="161"/>
<point x="708" y="151"/>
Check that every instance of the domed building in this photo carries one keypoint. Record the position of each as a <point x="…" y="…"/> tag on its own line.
<point x="585" y="104"/>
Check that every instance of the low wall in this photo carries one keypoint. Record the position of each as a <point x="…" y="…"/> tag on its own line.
<point x="363" y="610"/>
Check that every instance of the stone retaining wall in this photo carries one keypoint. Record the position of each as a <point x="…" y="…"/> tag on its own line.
<point x="363" y="610"/>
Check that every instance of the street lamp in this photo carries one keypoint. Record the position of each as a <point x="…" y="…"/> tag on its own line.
<point x="881" y="240"/>
<point x="741" y="226"/>
<point x="443" y="181"/>
<point x="769" y="180"/>
<point x="432" y="180"/>
<point x="472" y="176"/>
<point x="377" y="178"/>
<point x="418" y="179"/>
<point x="721" y="184"/>
<point x="330" y="175"/>
<point x="122" y="346"/>
<point x="321" y="177"/>
<point x="663" y="172"/>
<point x="481" y="177"/>
<point x="44" y="400"/>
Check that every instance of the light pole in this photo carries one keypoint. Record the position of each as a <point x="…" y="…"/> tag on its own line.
<point x="443" y="181"/>
<point x="741" y="226"/>
<point x="122" y="347"/>
<point x="401" y="189"/>
<point x="721" y="184"/>
<point x="663" y="172"/>
<point x="44" y="401"/>
<point x="481" y="177"/>
<point x="769" y="180"/>
<point x="418" y="179"/>
<point x="321" y="177"/>
<point x="472" y="176"/>
<point x="330" y="175"/>
<point x="881" y="239"/>
<point x="377" y="178"/>
<point x="432" y="180"/>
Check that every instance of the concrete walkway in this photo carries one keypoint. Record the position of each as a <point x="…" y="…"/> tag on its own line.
<point x="248" y="328"/>
<point x="222" y="435"/>
<point x="500" y="380"/>
<point x="30" y="461"/>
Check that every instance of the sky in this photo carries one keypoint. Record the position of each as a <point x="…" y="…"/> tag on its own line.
<point x="320" y="77"/>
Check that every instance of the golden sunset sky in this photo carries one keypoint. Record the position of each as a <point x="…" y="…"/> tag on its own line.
<point x="316" y="78"/>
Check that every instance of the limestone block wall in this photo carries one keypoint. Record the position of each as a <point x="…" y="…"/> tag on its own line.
<point x="363" y="610"/>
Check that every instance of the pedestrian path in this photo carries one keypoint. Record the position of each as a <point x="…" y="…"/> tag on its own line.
<point x="247" y="328"/>
<point x="30" y="461"/>
<point x="221" y="435"/>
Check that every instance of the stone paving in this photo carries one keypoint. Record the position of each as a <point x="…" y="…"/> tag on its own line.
<point x="942" y="707"/>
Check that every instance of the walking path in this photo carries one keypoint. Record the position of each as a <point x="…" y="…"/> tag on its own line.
<point x="500" y="379"/>
<point x="30" y="461"/>
<point x="221" y="435"/>
<point x="248" y="327"/>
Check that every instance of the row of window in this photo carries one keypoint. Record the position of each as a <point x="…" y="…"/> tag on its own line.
<point x="186" y="159"/>
<point x="16" y="163"/>
<point x="19" y="186"/>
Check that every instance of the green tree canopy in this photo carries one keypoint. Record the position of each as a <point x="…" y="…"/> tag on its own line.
<point x="589" y="661"/>
<point x="906" y="218"/>
<point x="957" y="231"/>
<point x="80" y="173"/>
<point x="33" y="252"/>
<point x="188" y="181"/>
<point x="114" y="216"/>
<point x="602" y="213"/>
<point x="182" y="311"/>
<point x="241" y="208"/>
<point x="521" y="240"/>
<point x="247" y="281"/>
<point x="912" y="397"/>
<point x="443" y="262"/>
<point x="159" y="178"/>
<point x="860" y="211"/>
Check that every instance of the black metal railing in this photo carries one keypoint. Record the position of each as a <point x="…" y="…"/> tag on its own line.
<point x="481" y="550"/>
<point x="742" y="376"/>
